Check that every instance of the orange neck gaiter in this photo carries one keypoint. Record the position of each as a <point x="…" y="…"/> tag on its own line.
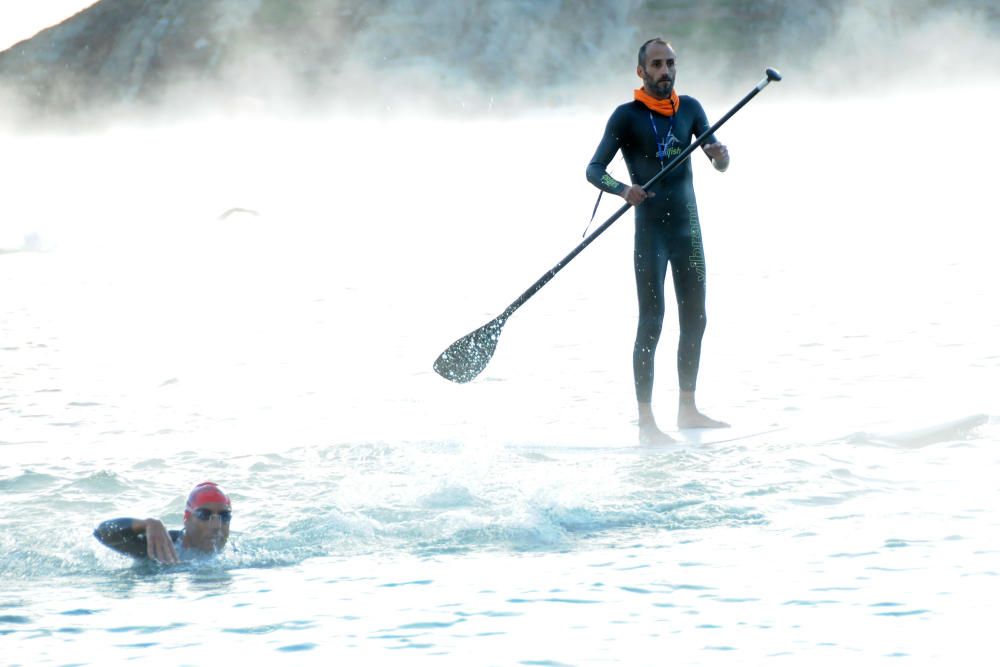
<point x="667" y="107"/>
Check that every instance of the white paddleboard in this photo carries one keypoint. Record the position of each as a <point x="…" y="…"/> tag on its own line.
<point x="627" y="440"/>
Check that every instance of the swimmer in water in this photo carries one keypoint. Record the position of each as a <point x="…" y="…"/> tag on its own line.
<point x="206" y="529"/>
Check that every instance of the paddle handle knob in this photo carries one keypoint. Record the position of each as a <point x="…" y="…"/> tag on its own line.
<point x="770" y="74"/>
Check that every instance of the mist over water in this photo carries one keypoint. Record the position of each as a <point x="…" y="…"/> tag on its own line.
<point x="149" y="341"/>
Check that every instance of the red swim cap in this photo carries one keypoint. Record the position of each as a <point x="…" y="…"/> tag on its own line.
<point x="206" y="492"/>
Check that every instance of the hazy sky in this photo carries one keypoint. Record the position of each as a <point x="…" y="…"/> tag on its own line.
<point x="20" y="19"/>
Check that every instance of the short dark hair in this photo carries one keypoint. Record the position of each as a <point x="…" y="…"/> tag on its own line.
<point x="642" y="49"/>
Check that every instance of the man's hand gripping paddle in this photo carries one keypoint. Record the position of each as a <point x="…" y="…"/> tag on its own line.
<point x="467" y="357"/>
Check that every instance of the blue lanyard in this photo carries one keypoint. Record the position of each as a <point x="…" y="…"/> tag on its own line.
<point x="662" y="147"/>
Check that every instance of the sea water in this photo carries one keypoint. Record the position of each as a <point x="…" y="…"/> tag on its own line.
<point x="383" y="515"/>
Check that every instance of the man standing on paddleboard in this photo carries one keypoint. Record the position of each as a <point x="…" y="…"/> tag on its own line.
<point x="207" y="515"/>
<point x="656" y="126"/>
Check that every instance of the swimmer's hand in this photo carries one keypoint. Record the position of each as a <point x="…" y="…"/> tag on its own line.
<point x="635" y="195"/>
<point x="159" y="546"/>
<point x="719" y="155"/>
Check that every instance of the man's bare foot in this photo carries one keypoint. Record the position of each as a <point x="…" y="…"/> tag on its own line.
<point x="694" y="419"/>
<point x="688" y="415"/>
<point x="650" y="434"/>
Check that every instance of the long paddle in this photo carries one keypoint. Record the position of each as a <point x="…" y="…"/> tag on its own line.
<point x="467" y="357"/>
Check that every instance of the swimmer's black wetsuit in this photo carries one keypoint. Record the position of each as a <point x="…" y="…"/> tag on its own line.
<point x="666" y="229"/>
<point x="118" y="535"/>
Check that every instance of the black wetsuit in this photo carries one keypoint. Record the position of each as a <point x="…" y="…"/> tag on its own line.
<point x="118" y="535"/>
<point x="667" y="230"/>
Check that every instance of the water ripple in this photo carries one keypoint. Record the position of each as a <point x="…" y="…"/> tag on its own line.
<point x="26" y="482"/>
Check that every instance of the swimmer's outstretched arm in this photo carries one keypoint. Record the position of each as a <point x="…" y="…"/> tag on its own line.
<point x="138" y="538"/>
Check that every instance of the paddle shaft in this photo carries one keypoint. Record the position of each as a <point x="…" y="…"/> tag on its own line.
<point x="670" y="166"/>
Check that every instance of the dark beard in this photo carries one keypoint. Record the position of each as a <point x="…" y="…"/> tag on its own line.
<point x="662" y="89"/>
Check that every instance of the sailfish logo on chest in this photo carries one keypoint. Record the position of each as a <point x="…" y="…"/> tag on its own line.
<point x="665" y="147"/>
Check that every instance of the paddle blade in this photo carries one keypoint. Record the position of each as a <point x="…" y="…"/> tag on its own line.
<point x="467" y="357"/>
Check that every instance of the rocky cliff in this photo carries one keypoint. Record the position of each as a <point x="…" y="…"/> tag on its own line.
<point x="134" y="53"/>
